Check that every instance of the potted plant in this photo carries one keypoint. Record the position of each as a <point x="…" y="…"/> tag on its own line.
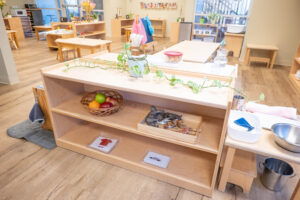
<point x="95" y="17"/>
<point x="213" y="17"/>
<point x="202" y="20"/>
<point x="137" y="65"/>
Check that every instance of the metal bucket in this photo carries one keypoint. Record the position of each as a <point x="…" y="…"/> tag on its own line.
<point x="276" y="173"/>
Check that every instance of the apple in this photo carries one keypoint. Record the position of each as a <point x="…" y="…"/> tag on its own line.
<point x="112" y="101"/>
<point x="100" y="98"/>
<point x="106" y="105"/>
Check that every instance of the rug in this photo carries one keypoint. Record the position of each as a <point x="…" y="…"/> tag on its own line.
<point x="33" y="132"/>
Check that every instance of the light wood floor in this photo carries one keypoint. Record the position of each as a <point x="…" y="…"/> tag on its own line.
<point x="30" y="172"/>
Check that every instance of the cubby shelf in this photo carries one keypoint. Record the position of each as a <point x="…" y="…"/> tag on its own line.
<point x="184" y="165"/>
<point x="193" y="166"/>
<point x="208" y="140"/>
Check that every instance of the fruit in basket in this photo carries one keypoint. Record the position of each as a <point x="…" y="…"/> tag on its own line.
<point x="100" y="98"/>
<point x="111" y="100"/>
<point x="94" y="105"/>
<point x="106" y="105"/>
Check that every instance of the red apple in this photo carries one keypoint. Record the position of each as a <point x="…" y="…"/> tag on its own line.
<point x="106" y="105"/>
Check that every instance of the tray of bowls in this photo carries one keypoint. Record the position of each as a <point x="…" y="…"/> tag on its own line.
<point x="171" y="124"/>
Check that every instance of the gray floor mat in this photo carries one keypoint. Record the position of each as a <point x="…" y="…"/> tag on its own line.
<point x="33" y="132"/>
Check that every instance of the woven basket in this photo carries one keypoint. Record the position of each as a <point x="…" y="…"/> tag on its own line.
<point x="86" y="99"/>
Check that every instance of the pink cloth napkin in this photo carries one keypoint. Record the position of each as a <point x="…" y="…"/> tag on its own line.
<point x="139" y="29"/>
<point x="286" y="112"/>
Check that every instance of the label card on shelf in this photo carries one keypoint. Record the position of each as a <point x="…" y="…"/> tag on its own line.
<point x="156" y="159"/>
<point x="104" y="144"/>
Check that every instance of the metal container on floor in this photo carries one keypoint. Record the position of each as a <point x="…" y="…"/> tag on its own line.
<point x="276" y="173"/>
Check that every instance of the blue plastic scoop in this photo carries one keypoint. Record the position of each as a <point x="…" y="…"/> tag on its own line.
<point x="243" y="122"/>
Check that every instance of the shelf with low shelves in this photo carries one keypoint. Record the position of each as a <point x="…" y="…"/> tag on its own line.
<point x="75" y="128"/>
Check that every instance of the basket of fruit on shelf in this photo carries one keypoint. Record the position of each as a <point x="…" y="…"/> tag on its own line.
<point x="102" y="103"/>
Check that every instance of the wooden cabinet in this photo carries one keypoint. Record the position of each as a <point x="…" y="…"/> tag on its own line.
<point x="118" y="26"/>
<point x="295" y="67"/>
<point x="202" y="31"/>
<point x="193" y="165"/>
<point x="15" y="24"/>
<point x="174" y="35"/>
<point x="83" y="29"/>
<point x="159" y="26"/>
<point x="234" y="43"/>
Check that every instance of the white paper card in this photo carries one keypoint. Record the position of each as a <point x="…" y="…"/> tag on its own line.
<point x="104" y="144"/>
<point x="156" y="159"/>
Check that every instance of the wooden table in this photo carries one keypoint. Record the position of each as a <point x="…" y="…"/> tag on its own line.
<point x="41" y="28"/>
<point x="194" y="51"/>
<point x="127" y="34"/>
<point x="81" y="43"/>
<point x="12" y="35"/>
<point x="264" y="146"/>
<point x="52" y="37"/>
<point x="234" y="43"/>
<point x="269" y="60"/>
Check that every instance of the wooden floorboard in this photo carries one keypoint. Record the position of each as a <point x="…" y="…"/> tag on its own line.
<point x="30" y="172"/>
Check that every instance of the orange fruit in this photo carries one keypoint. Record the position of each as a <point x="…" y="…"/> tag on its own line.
<point x="94" y="105"/>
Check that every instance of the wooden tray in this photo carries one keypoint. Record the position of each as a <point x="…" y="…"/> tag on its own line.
<point x="192" y="121"/>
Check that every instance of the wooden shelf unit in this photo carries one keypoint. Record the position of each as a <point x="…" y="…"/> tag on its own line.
<point x="295" y="66"/>
<point x="202" y="35"/>
<point x="91" y="29"/>
<point x="192" y="166"/>
<point x="15" y="24"/>
<point x="118" y="26"/>
<point x="159" y="26"/>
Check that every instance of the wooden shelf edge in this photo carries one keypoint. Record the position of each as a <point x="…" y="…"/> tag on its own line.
<point x="135" y="131"/>
<point x="295" y="83"/>
<point x="297" y="60"/>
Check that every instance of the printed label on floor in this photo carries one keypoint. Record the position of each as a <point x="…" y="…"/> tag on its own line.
<point x="156" y="159"/>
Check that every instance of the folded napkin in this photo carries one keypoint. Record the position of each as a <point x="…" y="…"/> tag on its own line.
<point x="286" y="112"/>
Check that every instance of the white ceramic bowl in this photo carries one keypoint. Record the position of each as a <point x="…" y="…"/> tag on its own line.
<point x="240" y="133"/>
<point x="235" y="28"/>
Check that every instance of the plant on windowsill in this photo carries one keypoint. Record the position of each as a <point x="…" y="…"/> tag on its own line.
<point x="213" y="17"/>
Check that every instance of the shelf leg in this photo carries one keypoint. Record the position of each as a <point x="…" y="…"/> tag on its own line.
<point x="273" y="59"/>
<point x="246" y="62"/>
<point x="226" y="168"/>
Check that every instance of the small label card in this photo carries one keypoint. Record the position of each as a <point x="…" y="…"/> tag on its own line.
<point x="104" y="144"/>
<point x="156" y="159"/>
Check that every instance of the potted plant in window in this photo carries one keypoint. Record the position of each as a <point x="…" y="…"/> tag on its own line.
<point x="202" y="20"/>
<point x="213" y="17"/>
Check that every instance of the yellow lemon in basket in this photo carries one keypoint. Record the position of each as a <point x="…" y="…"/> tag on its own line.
<point x="94" y="105"/>
<point x="100" y="98"/>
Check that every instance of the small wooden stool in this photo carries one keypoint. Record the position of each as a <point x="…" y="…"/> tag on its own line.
<point x="242" y="172"/>
<point x="40" y="95"/>
<point x="11" y="34"/>
<point x="66" y="52"/>
<point x="269" y="60"/>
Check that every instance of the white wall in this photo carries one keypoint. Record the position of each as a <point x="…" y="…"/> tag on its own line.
<point x="110" y="10"/>
<point x="8" y="72"/>
<point x="170" y="15"/>
<point x="19" y="3"/>
<point x="275" y="22"/>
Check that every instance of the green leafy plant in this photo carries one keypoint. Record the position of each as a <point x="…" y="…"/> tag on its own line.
<point x="213" y="17"/>
<point x="122" y="65"/>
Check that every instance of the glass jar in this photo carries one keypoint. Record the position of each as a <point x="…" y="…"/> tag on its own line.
<point x="221" y="58"/>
